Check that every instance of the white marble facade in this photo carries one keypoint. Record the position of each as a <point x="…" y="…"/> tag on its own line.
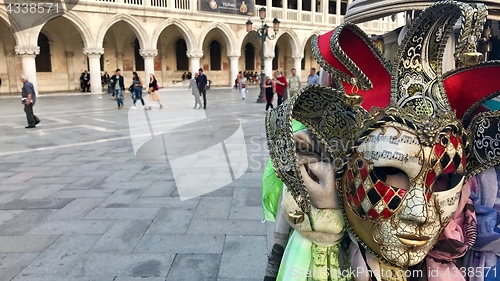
<point x="165" y="37"/>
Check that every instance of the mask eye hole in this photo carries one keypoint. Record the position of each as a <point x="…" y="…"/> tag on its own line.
<point x="446" y="182"/>
<point x="393" y="177"/>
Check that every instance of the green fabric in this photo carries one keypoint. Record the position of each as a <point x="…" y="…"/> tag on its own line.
<point x="272" y="185"/>
<point x="296" y="259"/>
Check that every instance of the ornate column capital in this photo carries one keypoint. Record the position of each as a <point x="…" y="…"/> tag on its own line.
<point x="69" y="54"/>
<point x="93" y="52"/>
<point x="119" y="54"/>
<point x="27" y="50"/>
<point x="234" y="56"/>
<point x="151" y="53"/>
<point x="269" y="56"/>
<point x="194" y="55"/>
<point x="298" y="56"/>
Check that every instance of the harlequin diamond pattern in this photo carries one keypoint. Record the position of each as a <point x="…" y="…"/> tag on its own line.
<point x="369" y="197"/>
<point x="447" y="157"/>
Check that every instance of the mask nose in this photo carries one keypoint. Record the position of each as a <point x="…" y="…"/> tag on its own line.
<point x="414" y="207"/>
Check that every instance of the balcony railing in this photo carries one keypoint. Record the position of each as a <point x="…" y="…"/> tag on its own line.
<point x="286" y="16"/>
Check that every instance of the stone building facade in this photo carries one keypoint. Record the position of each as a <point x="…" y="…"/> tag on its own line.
<point x="165" y="37"/>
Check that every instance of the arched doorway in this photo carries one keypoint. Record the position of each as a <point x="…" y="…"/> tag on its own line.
<point x="139" y="60"/>
<point x="249" y="56"/>
<point x="122" y="50"/>
<point x="42" y="60"/>
<point x="61" y="59"/>
<point x="215" y="55"/>
<point x="180" y="55"/>
<point x="215" y="61"/>
<point x="172" y="61"/>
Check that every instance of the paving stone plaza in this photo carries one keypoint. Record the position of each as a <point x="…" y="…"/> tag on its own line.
<point x="87" y="195"/>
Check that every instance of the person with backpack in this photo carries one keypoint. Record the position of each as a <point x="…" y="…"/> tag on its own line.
<point x="137" y="89"/>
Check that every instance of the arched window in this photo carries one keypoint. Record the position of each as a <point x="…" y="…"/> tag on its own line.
<point x="215" y="55"/>
<point x="249" y="57"/>
<point x="303" y="62"/>
<point x="276" y="59"/>
<point x="180" y="55"/>
<point x="43" y="61"/>
<point x="139" y="60"/>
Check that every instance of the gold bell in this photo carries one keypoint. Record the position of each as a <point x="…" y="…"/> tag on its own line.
<point x="297" y="217"/>
<point x="472" y="58"/>
<point x="354" y="100"/>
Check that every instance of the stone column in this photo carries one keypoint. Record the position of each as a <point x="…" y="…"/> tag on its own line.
<point x="194" y="60"/>
<point x="269" y="7"/>
<point x="284" y="6"/>
<point x="12" y="76"/>
<point x="233" y="59"/>
<point x="94" y="55"/>
<point x="268" y="63"/>
<point x="149" y="60"/>
<point x="28" y="54"/>
<point x="325" y="4"/>
<point x="119" y="61"/>
<point x="71" y="72"/>
<point x="313" y="11"/>
<point x="297" y="63"/>
<point x="299" y="10"/>
<point x="171" y="4"/>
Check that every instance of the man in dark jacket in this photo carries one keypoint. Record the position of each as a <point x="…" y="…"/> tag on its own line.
<point x="86" y="81"/>
<point x="28" y="99"/>
<point x="118" y="86"/>
<point x="201" y="81"/>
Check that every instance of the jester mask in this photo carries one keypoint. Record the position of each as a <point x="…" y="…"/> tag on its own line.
<point x="393" y="143"/>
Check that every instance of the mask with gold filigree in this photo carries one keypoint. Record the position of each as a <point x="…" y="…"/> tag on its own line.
<point x="403" y="144"/>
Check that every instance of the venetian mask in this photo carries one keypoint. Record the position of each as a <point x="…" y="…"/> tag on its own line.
<point x="401" y="190"/>
<point x="390" y="137"/>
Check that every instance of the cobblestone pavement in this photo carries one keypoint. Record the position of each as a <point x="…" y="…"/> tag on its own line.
<point x="86" y="196"/>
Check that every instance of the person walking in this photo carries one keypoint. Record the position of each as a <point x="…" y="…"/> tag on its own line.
<point x="269" y="88"/>
<point x="294" y="83"/>
<point x="86" y="81"/>
<point x="137" y="89"/>
<point x="280" y="86"/>
<point x="194" y="90"/>
<point x="154" y="94"/>
<point x="118" y="87"/>
<point x="202" y="82"/>
<point x="28" y="98"/>
<point x="313" y="78"/>
<point x="242" y="83"/>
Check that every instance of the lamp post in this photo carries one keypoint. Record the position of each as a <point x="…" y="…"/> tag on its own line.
<point x="263" y="35"/>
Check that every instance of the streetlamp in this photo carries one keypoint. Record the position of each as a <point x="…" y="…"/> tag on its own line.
<point x="263" y="35"/>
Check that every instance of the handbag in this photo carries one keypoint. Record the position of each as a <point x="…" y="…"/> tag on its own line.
<point x="131" y="88"/>
<point x="157" y="87"/>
